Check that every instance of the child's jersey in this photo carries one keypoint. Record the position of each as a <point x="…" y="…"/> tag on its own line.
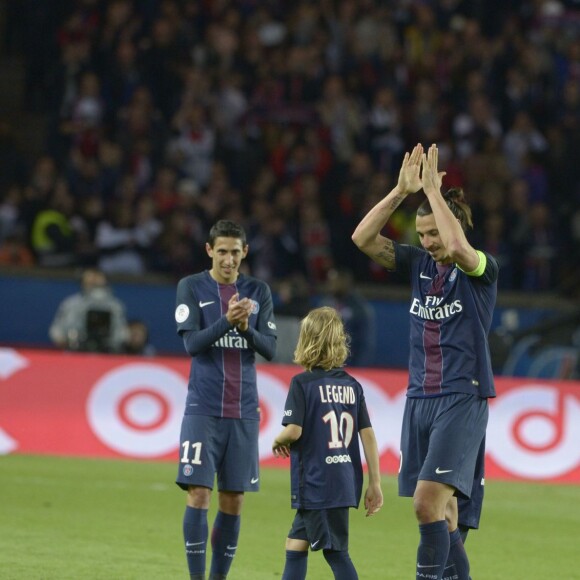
<point x="326" y="469"/>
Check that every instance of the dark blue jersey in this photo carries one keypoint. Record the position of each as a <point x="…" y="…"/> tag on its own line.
<point x="451" y="315"/>
<point x="222" y="379"/>
<point x="326" y="469"/>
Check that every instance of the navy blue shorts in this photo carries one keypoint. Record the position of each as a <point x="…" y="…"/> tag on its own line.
<point x="322" y="529"/>
<point x="470" y="509"/>
<point x="215" y="445"/>
<point x="440" y="441"/>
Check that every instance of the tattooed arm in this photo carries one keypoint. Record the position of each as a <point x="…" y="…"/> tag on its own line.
<point x="367" y="235"/>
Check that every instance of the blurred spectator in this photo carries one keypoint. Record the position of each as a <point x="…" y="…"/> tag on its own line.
<point x="384" y="130"/>
<point x="123" y="241"/>
<point x="341" y="115"/>
<point x="53" y="238"/>
<point x="13" y="163"/>
<point x="92" y="320"/>
<point x="83" y="114"/>
<point x="293" y="297"/>
<point x="137" y="341"/>
<point x="316" y="241"/>
<point x="356" y="313"/>
<point x="192" y="151"/>
<point x="541" y="247"/>
<point x="10" y="212"/>
<point x="15" y="252"/>
<point x="276" y="247"/>
<point x="496" y="242"/>
<point x="523" y="137"/>
<point x="472" y="127"/>
<point x="165" y="190"/>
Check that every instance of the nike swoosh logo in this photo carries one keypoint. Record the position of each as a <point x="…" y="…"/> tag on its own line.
<point x="440" y="471"/>
<point x="314" y="544"/>
<point x="202" y="304"/>
<point x="421" y="275"/>
<point x="254" y="480"/>
<point x="231" y="547"/>
<point x="188" y="544"/>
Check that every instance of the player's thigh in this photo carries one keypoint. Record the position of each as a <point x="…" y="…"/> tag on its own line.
<point x="239" y="470"/>
<point x="199" y="449"/>
<point x="414" y="445"/>
<point x="469" y="510"/>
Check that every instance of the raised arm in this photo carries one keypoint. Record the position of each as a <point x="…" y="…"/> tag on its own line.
<point x="450" y="230"/>
<point x="367" y="235"/>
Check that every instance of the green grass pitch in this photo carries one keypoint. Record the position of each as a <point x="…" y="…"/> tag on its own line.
<point x="66" y="518"/>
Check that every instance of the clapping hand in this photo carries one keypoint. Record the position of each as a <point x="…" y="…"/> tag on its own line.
<point x="432" y="179"/>
<point x="409" y="175"/>
<point x="239" y="311"/>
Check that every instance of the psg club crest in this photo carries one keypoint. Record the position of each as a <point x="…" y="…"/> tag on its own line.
<point x="453" y="275"/>
<point x="255" y="307"/>
<point x="187" y="470"/>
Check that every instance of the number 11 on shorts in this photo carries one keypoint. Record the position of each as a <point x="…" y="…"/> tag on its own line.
<point x="196" y="447"/>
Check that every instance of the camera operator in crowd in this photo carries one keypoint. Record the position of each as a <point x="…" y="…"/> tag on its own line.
<point x="92" y="320"/>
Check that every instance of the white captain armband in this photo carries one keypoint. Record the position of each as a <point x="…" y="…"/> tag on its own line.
<point x="480" y="267"/>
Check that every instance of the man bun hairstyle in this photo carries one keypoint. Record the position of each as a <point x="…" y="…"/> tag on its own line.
<point x="455" y="199"/>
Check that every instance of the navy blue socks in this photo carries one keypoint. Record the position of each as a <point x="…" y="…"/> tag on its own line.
<point x="296" y="565"/>
<point x="457" y="567"/>
<point x="341" y="564"/>
<point x="195" y="533"/>
<point x="433" y="550"/>
<point x="224" y="542"/>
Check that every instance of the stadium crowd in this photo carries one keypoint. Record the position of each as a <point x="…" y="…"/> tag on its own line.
<point x="291" y="118"/>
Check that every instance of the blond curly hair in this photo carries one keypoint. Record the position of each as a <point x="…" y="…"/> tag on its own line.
<point x="323" y="341"/>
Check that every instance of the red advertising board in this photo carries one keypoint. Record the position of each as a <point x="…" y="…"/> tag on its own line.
<point x="131" y="407"/>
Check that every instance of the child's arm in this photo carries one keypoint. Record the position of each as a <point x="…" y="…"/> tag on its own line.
<point x="281" y="445"/>
<point x="373" y="494"/>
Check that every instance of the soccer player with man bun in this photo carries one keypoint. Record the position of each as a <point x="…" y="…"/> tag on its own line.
<point x="454" y="289"/>
<point x="324" y="412"/>
<point x="224" y="318"/>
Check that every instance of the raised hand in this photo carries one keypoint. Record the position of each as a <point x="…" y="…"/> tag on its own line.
<point x="409" y="175"/>
<point x="432" y="179"/>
